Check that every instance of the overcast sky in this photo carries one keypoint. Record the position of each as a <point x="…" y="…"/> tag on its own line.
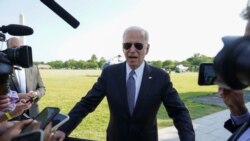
<point x="177" y="28"/>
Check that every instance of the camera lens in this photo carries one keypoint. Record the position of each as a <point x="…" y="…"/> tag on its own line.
<point x="21" y="56"/>
<point x="231" y="64"/>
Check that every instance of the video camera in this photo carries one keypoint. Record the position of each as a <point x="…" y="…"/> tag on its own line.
<point x="231" y="66"/>
<point x="20" y="56"/>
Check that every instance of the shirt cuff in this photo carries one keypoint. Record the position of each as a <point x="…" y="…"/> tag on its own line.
<point x="238" y="120"/>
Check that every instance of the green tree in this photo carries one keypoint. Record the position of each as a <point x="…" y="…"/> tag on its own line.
<point x="71" y="64"/>
<point x="93" y="58"/>
<point x="56" y="64"/>
<point x="101" y="62"/>
<point x="157" y="63"/>
<point x="91" y="65"/>
<point x="197" y="59"/>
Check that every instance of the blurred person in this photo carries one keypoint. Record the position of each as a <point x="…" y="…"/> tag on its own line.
<point x="10" y="104"/>
<point x="10" y="129"/>
<point x="26" y="81"/>
<point x="239" y="122"/>
<point x="13" y="128"/>
<point x="133" y="98"/>
<point x="20" y="107"/>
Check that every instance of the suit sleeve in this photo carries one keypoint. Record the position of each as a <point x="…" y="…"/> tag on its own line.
<point x="40" y="88"/>
<point x="178" y="112"/>
<point x="86" y="105"/>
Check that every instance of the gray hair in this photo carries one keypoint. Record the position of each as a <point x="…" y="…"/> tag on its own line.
<point x="137" y="28"/>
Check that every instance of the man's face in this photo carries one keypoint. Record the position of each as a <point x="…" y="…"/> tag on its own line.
<point x="134" y="48"/>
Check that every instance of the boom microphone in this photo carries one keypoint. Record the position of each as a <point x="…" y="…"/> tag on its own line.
<point x="55" y="7"/>
<point x="17" y="30"/>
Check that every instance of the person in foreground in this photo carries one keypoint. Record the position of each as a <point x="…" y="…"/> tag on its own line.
<point x="27" y="82"/>
<point x="12" y="129"/>
<point x="134" y="91"/>
<point x="239" y="122"/>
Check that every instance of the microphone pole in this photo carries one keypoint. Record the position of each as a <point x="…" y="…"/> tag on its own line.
<point x="67" y="17"/>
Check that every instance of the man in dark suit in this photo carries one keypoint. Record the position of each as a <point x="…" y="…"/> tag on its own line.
<point x="27" y="82"/>
<point x="134" y="99"/>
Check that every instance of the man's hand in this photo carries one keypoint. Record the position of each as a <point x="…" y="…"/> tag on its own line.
<point x="59" y="135"/>
<point x="28" y="96"/>
<point x="32" y="94"/>
<point x="4" y="102"/>
<point x="48" y="135"/>
<point x="234" y="99"/>
<point x="21" y="106"/>
<point x="14" y="130"/>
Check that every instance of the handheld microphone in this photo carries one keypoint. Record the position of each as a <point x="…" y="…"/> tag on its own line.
<point x="17" y="30"/>
<point x="55" y="7"/>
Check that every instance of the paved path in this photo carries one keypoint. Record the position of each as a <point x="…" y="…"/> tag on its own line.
<point x="207" y="128"/>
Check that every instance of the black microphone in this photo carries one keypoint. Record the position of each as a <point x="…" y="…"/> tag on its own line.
<point x="17" y="30"/>
<point x="55" y="7"/>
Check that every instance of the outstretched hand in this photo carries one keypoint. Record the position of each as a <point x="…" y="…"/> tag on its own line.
<point x="14" y="129"/>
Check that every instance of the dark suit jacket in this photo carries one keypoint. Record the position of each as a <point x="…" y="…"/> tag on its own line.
<point x="142" y="125"/>
<point x="33" y="83"/>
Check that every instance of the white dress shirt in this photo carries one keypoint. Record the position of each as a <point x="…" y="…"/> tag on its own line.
<point x="137" y="76"/>
<point x="21" y="78"/>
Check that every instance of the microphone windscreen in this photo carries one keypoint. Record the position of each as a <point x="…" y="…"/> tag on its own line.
<point x="17" y="30"/>
<point x="61" y="12"/>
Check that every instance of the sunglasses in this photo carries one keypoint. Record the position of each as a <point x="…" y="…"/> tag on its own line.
<point x="127" y="46"/>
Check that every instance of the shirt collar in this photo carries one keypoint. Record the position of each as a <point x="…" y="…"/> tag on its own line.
<point x="138" y="70"/>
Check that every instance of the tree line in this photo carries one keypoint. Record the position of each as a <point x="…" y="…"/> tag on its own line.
<point x="94" y="63"/>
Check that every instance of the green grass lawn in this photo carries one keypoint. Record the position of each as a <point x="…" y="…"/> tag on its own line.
<point x="65" y="87"/>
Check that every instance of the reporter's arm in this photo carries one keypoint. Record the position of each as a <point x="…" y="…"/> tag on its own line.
<point x="20" y="108"/>
<point x="14" y="130"/>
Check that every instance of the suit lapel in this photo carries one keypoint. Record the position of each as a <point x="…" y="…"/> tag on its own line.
<point x="15" y="81"/>
<point x="122" y="81"/>
<point x="145" y="85"/>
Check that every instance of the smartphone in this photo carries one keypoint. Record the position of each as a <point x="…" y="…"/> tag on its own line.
<point x="58" y="121"/>
<point x="36" y="135"/>
<point x="32" y="99"/>
<point x="44" y="117"/>
<point x="206" y="74"/>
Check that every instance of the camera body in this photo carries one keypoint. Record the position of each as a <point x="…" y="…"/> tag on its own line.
<point x="20" y="56"/>
<point x="231" y="66"/>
